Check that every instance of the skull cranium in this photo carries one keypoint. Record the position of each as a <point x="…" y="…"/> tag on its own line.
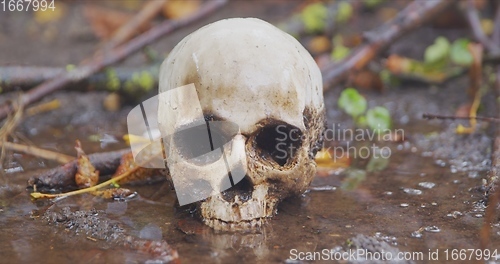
<point x="252" y="74"/>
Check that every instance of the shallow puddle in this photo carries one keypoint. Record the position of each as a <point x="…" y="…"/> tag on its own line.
<point x="417" y="204"/>
<point x="427" y="201"/>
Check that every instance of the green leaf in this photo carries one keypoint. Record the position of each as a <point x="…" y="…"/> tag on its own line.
<point x="339" y="50"/>
<point x="361" y="121"/>
<point x="438" y="51"/>
<point x="372" y="3"/>
<point x="377" y="162"/>
<point x="353" y="179"/>
<point x="353" y="103"/>
<point x="378" y="119"/>
<point x="459" y="53"/>
<point x="314" y="17"/>
<point x="344" y="12"/>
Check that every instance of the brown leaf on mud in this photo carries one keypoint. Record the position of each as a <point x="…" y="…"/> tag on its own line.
<point x="115" y="193"/>
<point x="105" y="21"/>
<point x="397" y="64"/>
<point x="367" y="80"/>
<point x="86" y="174"/>
<point x="319" y="44"/>
<point x="140" y="175"/>
<point x="174" y="9"/>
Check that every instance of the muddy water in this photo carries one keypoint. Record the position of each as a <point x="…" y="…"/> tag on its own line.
<point x="380" y="206"/>
<point x="419" y="202"/>
<point x="426" y="198"/>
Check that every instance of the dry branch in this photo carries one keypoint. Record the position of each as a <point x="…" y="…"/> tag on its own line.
<point x="37" y="152"/>
<point x="119" y="79"/>
<point x="97" y="63"/>
<point x="482" y="118"/>
<point x="496" y="29"/>
<point x="415" y="14"/>
<point x="127" y="31"/>
<point x="472" y="16"/>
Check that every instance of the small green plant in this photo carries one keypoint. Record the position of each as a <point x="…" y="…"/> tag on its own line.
<point x="314" y="17"/>
<point x="437" y="52"/>
<point x="354" y="104"/>
<point x="460" y="54"/>
<point x="378" y="118"/>
<point x="339" y="50"/>
<point x="442" y="52"/>
<point x="344" y="12"/>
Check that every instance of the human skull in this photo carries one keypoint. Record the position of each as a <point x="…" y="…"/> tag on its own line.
<point x="250" y="73"/>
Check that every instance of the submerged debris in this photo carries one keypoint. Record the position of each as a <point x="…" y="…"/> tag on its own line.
<point x="463" y="153"/>
<point x="412" y="191"/>
<point x="96" y="226"/>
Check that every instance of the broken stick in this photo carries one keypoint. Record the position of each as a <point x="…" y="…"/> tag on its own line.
<point x="414" y="15"/>
<point x="97" y="63"/>
<point x="64" y="175"/>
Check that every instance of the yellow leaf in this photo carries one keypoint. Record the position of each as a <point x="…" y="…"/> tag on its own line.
<point x="487" y="26"/>
<point x="174" y="9"/>
<point x="50" y="15"/>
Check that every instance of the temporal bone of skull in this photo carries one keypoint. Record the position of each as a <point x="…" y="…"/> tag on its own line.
<point x="249" y="73"/>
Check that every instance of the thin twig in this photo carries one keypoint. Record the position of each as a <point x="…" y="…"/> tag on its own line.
<point x="38" y="195"/>
<point x="496" y="30"/>
<point x="12" y="121"/>
<point x="414" y="15"/>
<point x="472" y="16"/>
<point x="482" y="118"/>
<point x="37" y="152"/>
<point x="129" y="29"/>
<point x="43" y="107"/>
<point x="120" y="79"/>
<point x="97" y="63"/>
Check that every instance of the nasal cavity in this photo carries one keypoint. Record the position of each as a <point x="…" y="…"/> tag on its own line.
<point x="243" y="189"/>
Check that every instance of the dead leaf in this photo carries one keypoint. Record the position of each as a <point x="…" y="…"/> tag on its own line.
<point x="397" y="64"/>
<point x="50" y="15"/>
<point x="174" y="9"/>
<point x="319" y="44"/>
<point x="112" y="102"/>
<point x="140" y="175"/>
<point x="105" y="21"/>
<point x="86" y="175"/>
<point x="331" y="159"/>
<point x="367" y="80"/>
<point x="488" y="26"/>
<point x="115" y="193"/>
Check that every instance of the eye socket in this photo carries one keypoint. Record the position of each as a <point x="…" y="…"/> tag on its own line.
<point x="202" y="144"/>
<point x="279" y="142"/>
